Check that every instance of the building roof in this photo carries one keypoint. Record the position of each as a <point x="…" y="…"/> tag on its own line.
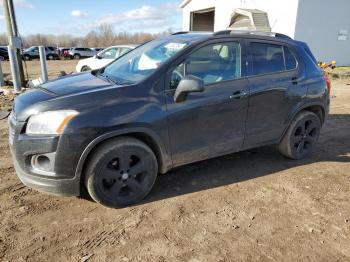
<point x="250" y="19"/>
<point x="184" y="3"/>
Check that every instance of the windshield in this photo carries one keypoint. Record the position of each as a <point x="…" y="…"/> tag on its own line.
<point x="30" y="49"/>
<point x="143" y="61"/>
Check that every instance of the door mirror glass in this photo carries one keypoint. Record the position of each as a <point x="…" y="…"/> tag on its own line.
<point x="188" y="84"/>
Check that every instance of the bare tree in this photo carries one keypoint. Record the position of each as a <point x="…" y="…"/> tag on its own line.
<point x="3" y="39"/>
<point x="106" y="34"/>
<point x="92" y="39"/>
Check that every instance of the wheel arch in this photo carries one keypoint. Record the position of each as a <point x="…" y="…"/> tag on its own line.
<point x="316" y="108"/>
<point x="145" y="135"/>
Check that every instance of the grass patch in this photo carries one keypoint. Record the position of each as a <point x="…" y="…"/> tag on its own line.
<point x="341" y="69"/>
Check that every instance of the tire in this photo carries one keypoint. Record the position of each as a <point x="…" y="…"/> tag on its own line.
<point x="85" y="68"/>
<point x="301" y="136"/>
<point x="2" y="58"/>
<point x="27" y="57"/>
<point x="121" y="172"/>
<point x="76" y="56"/>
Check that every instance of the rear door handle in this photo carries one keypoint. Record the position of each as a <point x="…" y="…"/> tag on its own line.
<point x="238" y="95"/>
<point x="294" y="80"/>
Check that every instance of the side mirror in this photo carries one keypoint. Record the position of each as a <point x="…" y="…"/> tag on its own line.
<point x="98" y="57"/>
<point x="188" y="84"/>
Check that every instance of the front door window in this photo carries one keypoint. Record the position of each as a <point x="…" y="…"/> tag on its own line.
<point x="213" y="64"/>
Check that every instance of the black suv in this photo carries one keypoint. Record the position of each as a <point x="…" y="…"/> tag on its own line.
<point x="172" y="101"/>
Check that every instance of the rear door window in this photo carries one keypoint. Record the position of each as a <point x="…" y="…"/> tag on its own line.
<point x="267" y="58"/>
<point x="271" y="58"/>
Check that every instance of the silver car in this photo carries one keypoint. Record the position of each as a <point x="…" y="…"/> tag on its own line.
<point x="79" y="52"/>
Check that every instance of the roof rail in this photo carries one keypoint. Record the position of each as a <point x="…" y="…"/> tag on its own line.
<point x="180" y="33"/>
<point x="260" y="33"/>
<point x="223" y="32"/>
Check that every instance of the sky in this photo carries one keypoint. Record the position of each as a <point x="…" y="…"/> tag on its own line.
<point x="78" y="17"/>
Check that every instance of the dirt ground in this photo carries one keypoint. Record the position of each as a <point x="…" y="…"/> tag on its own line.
<point x="250" y="206"/>
<point x="32" y="68"/>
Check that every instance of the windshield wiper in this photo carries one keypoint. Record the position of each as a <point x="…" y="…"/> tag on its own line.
<point x="111" y="80"/>
<point x="107" y="77"/>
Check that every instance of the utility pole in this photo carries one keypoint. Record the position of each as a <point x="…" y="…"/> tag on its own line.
<point x="13" y="35"/>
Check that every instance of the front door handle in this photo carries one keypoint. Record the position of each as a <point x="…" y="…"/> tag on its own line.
<point x="238" y="95"/>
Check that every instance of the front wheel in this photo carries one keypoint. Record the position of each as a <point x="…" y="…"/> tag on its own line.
<point x="85" y="68"/>
<point x="27" y="57"/>
<point x="301" y="136"/>
<point x="121" y="172"/>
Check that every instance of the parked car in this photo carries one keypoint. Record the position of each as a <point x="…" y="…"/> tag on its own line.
<point x="33" y="53"/>
<point x="170" y="102"/>
<point x="4" y="55"/>
<point x="79" y="52"/>
<point x="103" y="58"/>
<point x="63" y="50"/>
<point x="97" y="49"/>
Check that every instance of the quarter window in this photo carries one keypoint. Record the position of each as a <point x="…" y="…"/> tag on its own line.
<point x="291" y="62"/>
<point x="213" y="63"/>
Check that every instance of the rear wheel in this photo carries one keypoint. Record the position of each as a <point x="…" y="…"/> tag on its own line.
<point x="121" y="172"/>
<point x="301" y="136"/>
<point x="50" y="57"/>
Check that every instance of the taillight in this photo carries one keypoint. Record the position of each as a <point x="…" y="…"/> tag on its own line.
<point x="328" y="81"/>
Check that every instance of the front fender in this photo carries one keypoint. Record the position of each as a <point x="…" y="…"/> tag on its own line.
<point x="164" y="157"/>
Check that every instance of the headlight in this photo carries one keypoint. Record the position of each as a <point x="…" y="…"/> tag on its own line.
<point x="49" y="123"/>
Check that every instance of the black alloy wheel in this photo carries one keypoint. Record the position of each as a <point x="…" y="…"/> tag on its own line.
<point x="121" y="172"/>
<point x="301" y="136"/>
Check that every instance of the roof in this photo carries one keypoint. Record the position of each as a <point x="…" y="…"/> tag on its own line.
<point x="184" y="3"/>
<point x="199" y="36"/>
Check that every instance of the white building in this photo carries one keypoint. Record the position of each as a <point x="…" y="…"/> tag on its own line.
<point x="323" y="24"/>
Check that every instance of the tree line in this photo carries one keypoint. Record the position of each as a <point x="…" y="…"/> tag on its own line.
<point x="103" y="36"/>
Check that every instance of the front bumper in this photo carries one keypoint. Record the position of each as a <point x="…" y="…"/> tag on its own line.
<point x="63" y="181"/>
<point x="59" y="187"/>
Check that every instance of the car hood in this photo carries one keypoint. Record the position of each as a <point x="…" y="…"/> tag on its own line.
<point x="30" y="101"/>
<point x="76" y="83"/>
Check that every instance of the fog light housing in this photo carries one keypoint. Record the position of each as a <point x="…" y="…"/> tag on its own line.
<point x="43" y="164"/>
